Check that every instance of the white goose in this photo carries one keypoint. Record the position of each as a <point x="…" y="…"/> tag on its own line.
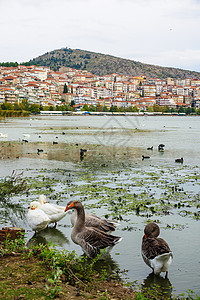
<point x="36" y="218"/>
<point x="3" y="135"/>
<point x="53" y="211"/>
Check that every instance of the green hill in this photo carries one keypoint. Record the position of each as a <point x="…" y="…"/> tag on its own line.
<point x="102" y="64"/>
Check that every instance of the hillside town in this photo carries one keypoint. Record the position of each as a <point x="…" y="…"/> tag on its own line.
<point x="42" y="86"/>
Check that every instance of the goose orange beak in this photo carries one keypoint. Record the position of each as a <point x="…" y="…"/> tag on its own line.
<point x="67" y="207"/>
<point x="70" y="206"/>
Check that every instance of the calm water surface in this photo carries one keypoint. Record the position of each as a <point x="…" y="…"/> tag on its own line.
<point x="116" y="142"/>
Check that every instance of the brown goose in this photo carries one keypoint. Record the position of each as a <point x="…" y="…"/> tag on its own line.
<point x="89" y="238"/>
<point x="95" y="221"/>
<point x="155" y="251"/>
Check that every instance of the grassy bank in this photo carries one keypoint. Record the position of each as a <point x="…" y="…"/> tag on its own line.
<point x="44" y="273"/>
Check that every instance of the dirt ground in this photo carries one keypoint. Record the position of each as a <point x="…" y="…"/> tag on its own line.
<point x="27" y="278"/>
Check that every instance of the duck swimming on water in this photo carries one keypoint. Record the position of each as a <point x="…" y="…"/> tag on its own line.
<point x="145" y="157"/>
<point x="179" y="160"/>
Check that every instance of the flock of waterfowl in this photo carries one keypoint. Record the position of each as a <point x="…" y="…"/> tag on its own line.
<point x="161" y="148"/>
<point x="92" y="232"/>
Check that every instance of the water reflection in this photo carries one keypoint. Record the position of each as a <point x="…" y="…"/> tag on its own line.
<point x="162" y="285"/>
<point x="12" y="213"/>
<point x="106" y="262"/>
<point x="48" y="235"/>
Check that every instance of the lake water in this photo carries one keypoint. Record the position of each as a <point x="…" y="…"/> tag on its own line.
<point x="113" y="166"/>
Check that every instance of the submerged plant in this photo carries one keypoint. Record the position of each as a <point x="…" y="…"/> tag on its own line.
<point x="13" y="184"/>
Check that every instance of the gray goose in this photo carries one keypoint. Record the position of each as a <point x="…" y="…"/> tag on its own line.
<point x="95" y="221"/>
<point x="90" y="239"/>
<point x="155" y="251"/>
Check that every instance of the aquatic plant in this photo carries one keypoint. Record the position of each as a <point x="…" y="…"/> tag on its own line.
<point x="12" y="185"/>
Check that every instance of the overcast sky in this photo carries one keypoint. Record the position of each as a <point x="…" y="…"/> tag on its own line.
<point x="160" y="32"/>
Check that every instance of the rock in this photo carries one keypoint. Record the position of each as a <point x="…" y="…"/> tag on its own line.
<point x="11" y="232"/>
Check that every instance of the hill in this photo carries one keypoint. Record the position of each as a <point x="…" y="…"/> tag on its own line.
<point x="102" y="64"/>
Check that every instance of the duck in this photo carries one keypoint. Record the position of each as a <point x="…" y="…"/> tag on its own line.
<point x="145" y="157"/>
<point x="36" y="217"/>
<point x="150" y="148"/>
<point x="39" y="150"/>
<point x="53" y="211"/>
<point x="161" y="147"/>
<point x="82" y="151"/>
<point x="179" y="160"/>
<point x="156" y="252"/>
<point x="90" y="239"/>
<point x="92" y="220"/>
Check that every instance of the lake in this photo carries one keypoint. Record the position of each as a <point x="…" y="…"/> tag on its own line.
<point x="112" y="179"/>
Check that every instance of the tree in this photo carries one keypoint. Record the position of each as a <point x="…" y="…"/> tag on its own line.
<point x="16" y="106"/>
<point x="188" y="111"/>
<point x="135" y="108"/>
<point x="25" y="104"/>
<point x="181" y="109"/>
<point x="173" y="110"/>
<point x="7" y="106"/>
<point x="121" y="109"/>
<point x="61" y="107"/>
<point x="99" y="107"/>
<point x="114" y="108"/>
<point x="35" y="108"/>
<point x="150" y="109"/>
<point x="198" y="111"/>
<point x="65" y="89"/>
<point x="156" y="108"/>
<point x="92" y="108"/>
<point x="105" y="109"/>
<point x="85" y="107"/>
<point x="166" y="109"/>
<point x="72" y="103"/>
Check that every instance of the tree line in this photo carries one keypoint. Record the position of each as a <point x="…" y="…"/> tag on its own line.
<point x="25" y="106"/>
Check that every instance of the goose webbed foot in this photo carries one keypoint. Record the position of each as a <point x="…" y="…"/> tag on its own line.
<point x="55" y="225"/>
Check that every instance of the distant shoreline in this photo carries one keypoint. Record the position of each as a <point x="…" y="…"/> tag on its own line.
<point x="83" y="113"/>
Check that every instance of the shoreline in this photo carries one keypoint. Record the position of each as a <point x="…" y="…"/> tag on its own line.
<point x="83" y="113"/>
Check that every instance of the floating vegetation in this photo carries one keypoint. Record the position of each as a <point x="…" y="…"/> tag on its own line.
<point x="121" y="193"/>
<point x="176" y="226"/>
